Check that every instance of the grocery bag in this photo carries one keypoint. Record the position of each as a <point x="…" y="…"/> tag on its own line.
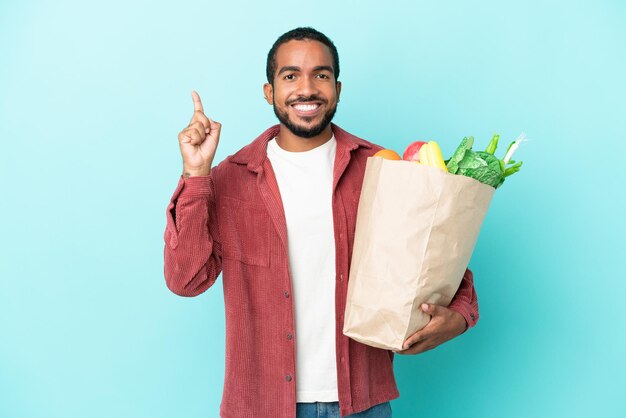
<point x="415" y="232"/>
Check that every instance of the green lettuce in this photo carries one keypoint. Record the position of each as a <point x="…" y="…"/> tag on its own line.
<point x="483" y="166"/>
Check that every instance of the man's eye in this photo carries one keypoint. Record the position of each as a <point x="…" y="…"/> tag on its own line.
<point x="289" y="77"/>
<point x="323" y="76"/>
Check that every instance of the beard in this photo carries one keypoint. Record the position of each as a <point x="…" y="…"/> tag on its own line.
<point x="303" y="131"/>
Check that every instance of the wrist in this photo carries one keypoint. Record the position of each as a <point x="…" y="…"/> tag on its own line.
<point x="462" y="324"/>
<point x="193" y="172"/>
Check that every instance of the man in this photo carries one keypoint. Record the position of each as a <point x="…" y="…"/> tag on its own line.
<point x="277" y="219"/>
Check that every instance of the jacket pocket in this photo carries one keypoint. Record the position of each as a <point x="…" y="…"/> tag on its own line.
<point x="244" y="230"/>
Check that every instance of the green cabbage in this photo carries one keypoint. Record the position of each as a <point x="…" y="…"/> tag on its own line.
<point x="483" y="166"/>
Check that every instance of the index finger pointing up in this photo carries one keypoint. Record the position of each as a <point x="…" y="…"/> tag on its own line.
<point x="197" y="103"/>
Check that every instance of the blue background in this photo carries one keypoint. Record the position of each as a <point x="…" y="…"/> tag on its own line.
<point x="92" y="97"/>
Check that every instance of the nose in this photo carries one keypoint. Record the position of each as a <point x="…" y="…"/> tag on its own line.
<point x="307" y="87"/>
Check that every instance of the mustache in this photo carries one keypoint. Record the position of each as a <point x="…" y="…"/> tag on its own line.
<point x="302" y="99"/>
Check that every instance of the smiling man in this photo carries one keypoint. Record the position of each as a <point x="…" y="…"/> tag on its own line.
<point x="304" y="92"/>
<point x="277" y="220"/>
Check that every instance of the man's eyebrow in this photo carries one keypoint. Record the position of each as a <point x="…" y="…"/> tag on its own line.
<point x="288" y="68"/>
<point x="323" y="67"/>
<point x="294" y="68"/>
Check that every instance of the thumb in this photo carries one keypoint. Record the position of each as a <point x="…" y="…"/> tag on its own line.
<point x="210" y="147"/>
<point x="431" y="309"/>
<point x="215" y="126"/>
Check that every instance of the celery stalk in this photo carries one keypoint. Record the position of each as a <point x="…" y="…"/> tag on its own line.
<point x="491" y="148"/>
<point x="513" y="147"/>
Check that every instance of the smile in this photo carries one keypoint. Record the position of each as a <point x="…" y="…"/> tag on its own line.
<point x="306" y="109"/>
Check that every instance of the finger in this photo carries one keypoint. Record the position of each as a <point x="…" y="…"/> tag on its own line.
<point x="409" y="350"/>
<point x="187" y="131"/>
<point x="432" y="309"/>
<point x="196" y="137"/>
<point x="197" y="103"/>
<point x="199" y="126"/>
<point x="184" y="137"/>
<point x="200" y="117"/>
<point x="215" y="126"/>
<point x="414" y="339"/>
<point x="417" y="348"/>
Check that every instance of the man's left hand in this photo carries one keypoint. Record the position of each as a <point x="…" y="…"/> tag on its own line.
<point x="444" y="325"/>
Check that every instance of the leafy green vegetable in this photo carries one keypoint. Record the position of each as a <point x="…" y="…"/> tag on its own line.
<point x="512" y="169"/>
<point x="491" y="148"/>
<point x="483" y="166"/>
<point x="453" y="162"/>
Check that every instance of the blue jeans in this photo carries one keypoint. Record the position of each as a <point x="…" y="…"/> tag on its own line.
<point x="331" y="410"/>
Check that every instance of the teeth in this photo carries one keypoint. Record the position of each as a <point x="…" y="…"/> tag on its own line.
<point x="306" y="107"/>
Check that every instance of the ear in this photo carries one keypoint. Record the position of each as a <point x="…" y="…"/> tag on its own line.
<point x="268" y="92"/>
<point x="338" y="87"/>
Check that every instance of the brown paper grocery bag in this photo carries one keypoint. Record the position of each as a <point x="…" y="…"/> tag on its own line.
<point x="415" y="232"/>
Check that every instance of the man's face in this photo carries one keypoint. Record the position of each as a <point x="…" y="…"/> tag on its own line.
<point x="305" y="92"/>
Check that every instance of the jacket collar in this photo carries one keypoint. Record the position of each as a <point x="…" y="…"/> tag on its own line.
<point x="255" y="152"/>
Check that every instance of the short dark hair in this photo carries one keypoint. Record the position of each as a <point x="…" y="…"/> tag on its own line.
<point x="300" y="34"/>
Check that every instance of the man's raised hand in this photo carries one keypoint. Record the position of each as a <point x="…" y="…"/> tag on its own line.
<point x="198" y="141"/>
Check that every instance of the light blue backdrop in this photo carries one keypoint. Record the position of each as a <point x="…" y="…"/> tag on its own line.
<point x="92" y="97"/>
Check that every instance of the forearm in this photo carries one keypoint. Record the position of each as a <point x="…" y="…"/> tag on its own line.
<point x="192" y="253"/>
<point x="465" y="301"/>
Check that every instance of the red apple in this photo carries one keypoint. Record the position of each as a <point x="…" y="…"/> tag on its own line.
<point x="412" y="151"/>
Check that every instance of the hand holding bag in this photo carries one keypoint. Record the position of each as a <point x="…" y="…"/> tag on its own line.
<point x="415" y="232"/>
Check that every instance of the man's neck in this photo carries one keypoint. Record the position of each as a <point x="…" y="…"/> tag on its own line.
<point x="290" y="142"/>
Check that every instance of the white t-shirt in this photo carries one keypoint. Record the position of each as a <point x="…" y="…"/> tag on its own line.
<point x="305" y="181"/>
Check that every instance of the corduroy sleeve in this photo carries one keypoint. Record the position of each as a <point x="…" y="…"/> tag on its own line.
<point x="193" y="251"/>
<point x="465" y="301"/>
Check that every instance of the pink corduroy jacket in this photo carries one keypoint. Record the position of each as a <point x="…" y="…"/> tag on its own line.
<point x="232" y="222"/>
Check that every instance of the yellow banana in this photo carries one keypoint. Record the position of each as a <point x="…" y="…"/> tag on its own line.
<point x="434" y="156"/>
